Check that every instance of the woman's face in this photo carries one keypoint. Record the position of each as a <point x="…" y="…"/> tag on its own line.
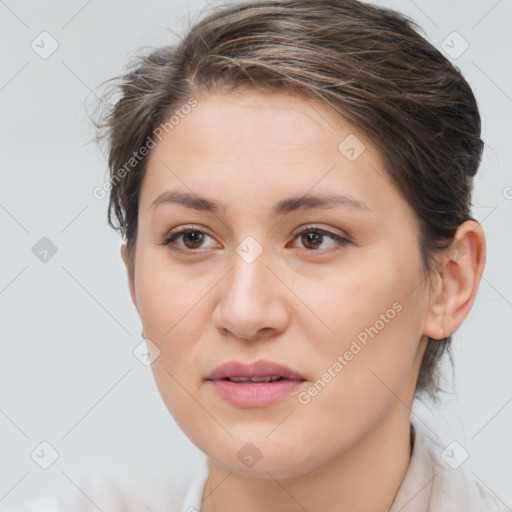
<point x="347" y="315"/>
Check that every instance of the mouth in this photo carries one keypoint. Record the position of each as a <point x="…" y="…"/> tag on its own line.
<point x="255" y="380"/>
<point x="255" y="385"/>
<point x="257" y="372"/>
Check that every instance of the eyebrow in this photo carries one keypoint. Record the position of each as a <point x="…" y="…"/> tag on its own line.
<point x="282" y="207"/>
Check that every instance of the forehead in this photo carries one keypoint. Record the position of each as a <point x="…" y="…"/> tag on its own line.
<point x="278" y="121"/>
<point x="263" y="144"/>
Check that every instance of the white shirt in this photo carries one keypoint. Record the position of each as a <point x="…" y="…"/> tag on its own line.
<point x="435" y="481"/>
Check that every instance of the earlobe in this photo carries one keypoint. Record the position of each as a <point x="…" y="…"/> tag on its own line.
<point x="131" y="284"/>
<point x="124" y="255"/>
<point x="457" y="280"/>
<point x="433" y="325"/>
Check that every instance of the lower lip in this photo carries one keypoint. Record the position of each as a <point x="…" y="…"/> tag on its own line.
<point x="255" y="395"/>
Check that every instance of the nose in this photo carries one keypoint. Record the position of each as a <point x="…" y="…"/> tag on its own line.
<point x="252" y="303"/>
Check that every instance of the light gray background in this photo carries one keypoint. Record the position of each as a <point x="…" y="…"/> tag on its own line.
<point x="68" y="375"/>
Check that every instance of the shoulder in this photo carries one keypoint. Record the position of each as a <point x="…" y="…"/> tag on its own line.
<point x="452" y="482"/>
<point x="490" y="502"/>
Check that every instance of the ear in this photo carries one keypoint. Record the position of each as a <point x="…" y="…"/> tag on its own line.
<point x="456" y="281"/>
<point x="124" y="256"/>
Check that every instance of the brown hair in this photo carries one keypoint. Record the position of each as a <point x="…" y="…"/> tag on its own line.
<point x="368" y="63"/>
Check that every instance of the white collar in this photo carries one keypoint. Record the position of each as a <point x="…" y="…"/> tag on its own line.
<point x="435" y="480"/>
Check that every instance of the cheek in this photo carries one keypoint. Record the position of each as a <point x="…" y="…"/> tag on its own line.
<point x="373" y="362"/>
<point x="358" y="384"/>
<point x="375" y="321"/>
<point x="173" y="316"/>
<point x="167" y="299"/>
<point x="359" y="298"/>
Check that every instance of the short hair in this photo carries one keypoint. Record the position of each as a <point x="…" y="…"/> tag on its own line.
<point x="368" y="63"/>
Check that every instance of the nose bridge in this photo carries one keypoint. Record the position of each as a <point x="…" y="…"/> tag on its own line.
<point x="250" y="278"/>
<point x="249" y="302"/>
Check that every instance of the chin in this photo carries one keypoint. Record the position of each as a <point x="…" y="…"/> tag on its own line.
<point x="264" y="459"/>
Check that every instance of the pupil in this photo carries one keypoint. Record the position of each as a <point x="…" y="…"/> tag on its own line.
<point x="194" y="235"/>
<point x="314" y="236"/>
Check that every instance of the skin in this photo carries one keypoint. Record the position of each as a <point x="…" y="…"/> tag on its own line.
<point x="348" y="448"/>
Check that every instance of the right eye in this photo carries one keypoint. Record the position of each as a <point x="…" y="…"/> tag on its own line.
<point x="191" y="239"/>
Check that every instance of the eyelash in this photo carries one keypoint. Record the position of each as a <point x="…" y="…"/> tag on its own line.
<point x="172" y="236"/>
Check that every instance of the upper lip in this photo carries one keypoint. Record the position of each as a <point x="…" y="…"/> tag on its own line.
<point x="256" y="369"/>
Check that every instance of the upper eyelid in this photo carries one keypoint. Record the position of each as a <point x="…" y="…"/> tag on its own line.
<point x="312" y="226"/>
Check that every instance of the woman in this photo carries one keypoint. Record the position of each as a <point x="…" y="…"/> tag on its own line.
<point x="293" y="181"/>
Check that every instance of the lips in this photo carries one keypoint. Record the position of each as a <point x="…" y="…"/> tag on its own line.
<point x="256" y="385"/>
<point x="258" y="372"/>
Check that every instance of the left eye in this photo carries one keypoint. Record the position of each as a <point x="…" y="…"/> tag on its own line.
<point x="311" y="236"/>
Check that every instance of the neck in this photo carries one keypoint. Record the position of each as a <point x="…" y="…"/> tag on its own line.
<point x="364" y="478"/>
